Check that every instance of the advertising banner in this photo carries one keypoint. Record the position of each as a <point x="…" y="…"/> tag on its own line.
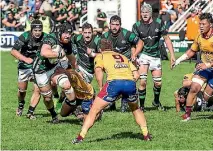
<point x="8" y="39"/>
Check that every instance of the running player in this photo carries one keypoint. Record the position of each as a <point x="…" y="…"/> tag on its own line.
<point x="203" y="43"/>
<point x="151" y="31"/>
<point x="25" y="49"/>
<point x="121" y="77"/>
<point x="44" y="70"/>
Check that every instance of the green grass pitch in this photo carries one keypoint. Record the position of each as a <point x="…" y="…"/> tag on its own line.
<point x="116" y="131"/>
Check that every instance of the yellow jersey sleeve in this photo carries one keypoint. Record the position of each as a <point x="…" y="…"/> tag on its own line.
<point x="195" y="45"/>
<point x="99" y="61"/>
<point x="132" y="67"/>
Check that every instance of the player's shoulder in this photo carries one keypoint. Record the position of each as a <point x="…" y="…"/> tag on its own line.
<point x="25" y="35"/>
<point x="105" y="35"/>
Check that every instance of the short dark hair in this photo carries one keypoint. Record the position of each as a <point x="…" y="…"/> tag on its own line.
<point x="87" y="26"/>
<point x="106" y="44"/>
<point x="207" y="16"/>
<point x="184" y="91"/>
<point x="115" y="18"/>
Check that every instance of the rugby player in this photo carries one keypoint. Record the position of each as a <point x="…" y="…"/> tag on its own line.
<point x="44" y="70"/>
<point x="203" y="43"/>
<point x="84" y="94"/>
<point x="151" y="31"/>
<point x="123" y="40"/>
<point x="182" y="93"/>
<point x="25" y="49"/>
<point x="87" y="47"/>
<point x="121" y="80"/>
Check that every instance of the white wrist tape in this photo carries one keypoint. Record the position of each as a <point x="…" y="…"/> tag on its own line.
<point x="182" y="58"/>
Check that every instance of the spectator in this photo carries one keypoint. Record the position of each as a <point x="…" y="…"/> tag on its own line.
<point x="185" y="4"/>
<point x="192" y="25"/>
<point x="180" y="11"/>
<point x="169" y="6"/>
<point x="46" y="8"/>
<point x="101" y="18"/>
<point x="26" y="7"/>
<point x="62" y="14"/>
<point x="48" y="23"/>
<point x="74" y="14"/>
<point x="28" y="22"/>
<point x="9" y="22"/>
<point x="37" y="5"/>
<point x="56" y="6"/>
<point x="22" y="22"/>
<point x="165" y="17"/>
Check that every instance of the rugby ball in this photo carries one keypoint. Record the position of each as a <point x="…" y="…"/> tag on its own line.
<point x="55" y="48"/>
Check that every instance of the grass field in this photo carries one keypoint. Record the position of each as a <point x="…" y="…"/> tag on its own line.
<point x="116" y="131"/>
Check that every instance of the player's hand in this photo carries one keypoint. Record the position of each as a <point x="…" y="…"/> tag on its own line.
<point x="61" y="54"/>
<point x="172" y="62"/>
<point x="28" y="60"/>
<point x="89" y="51"/>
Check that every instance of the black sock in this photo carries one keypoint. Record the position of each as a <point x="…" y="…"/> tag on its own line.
<point x="52" y="112"/>
<point x="31" y="110"/>
<point x="157" y="91"/>
<point x="21" y="104"/>
<point x="142" y="97"/>
<point x="56" y="95"/>
<point x="61" y="99"/>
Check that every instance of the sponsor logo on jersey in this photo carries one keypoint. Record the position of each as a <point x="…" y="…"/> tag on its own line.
<point x="120" y="65"/>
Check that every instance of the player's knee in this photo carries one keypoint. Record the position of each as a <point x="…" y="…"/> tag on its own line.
<point x="157" y="81"/>
<point x="206" y="96"/>
<point x="47" y="95"/>
<point x="63" y="82"/>
<point x="143" y="79"/>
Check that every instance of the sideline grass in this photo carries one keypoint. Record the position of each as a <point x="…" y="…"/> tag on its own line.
<point x="116" y="131"/>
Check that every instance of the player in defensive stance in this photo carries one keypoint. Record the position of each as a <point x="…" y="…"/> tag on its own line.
<point x="121" y="77"/>
<point x="203" y="43"/>
<point x="25" y="49"/>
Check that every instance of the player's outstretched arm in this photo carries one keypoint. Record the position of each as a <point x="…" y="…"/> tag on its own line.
<point x="189" y="53"/>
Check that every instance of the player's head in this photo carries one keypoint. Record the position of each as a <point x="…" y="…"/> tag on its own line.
<point x="36" y="28"/>
<point x="146" y="12"/>
<point x="65" y="32"/>
<point x="87" y="32"/>
<point x="182" y="94"/>
<point x="106" y="45"/>
<point x="206" y="23"/>
<point x="115" y="24"/>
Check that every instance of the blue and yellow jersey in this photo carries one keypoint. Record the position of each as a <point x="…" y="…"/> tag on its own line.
<point x="82" y="89"/>
<point x="205" y="46"/>
<point x="116" y="65"/>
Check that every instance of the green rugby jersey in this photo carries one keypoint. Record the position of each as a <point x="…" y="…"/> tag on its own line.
<point x="28" y="46"/>
<point x="150" y="34"/>
<point x="123" y="42"/>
